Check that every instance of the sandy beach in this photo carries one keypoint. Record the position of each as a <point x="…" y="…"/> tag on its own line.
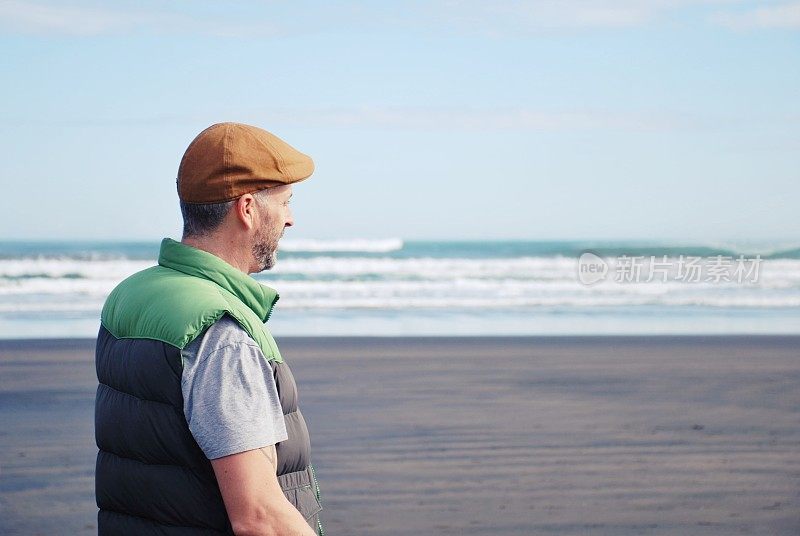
<point x="501" y="436"/>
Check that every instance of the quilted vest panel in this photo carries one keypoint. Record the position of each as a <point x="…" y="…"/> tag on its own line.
<point x="151" y="476"/>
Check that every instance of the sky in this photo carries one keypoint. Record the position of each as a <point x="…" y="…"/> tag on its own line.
<point x="674" y="120"/>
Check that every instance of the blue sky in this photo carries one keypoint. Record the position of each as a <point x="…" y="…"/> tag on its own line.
<point x="672" y="120"/>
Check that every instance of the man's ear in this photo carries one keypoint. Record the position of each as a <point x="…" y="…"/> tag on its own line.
<point x="245" y="211"/>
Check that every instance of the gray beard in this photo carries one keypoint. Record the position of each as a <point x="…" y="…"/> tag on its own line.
<point x="265" y="251"/>
<point x="265" y="256"/>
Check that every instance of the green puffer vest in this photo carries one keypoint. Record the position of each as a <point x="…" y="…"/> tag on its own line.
<point x="151" y="476"/>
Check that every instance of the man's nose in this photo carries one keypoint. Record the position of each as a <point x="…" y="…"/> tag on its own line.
<point x="289" y="220"/>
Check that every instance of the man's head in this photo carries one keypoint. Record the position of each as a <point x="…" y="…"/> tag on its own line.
<point x="277" y="217"/>
<point x="234" y="185"/>
<point x="254" y="222"/>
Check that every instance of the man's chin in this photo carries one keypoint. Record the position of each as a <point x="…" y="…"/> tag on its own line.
<point x="273" y="260"/>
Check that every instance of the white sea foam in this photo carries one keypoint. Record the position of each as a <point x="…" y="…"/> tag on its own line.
<point x="115" y="269"/>
<point x="351" y="245"/>
<point x="428" y="268"/>
<point x="60" y="286"/>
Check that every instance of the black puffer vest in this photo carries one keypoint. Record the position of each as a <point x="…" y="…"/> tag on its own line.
<point x="151" y="476"/>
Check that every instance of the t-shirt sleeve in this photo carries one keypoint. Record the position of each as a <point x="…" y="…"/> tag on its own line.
<point x="230" y="399"/>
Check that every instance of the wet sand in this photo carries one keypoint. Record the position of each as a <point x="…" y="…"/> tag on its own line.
<point x="579" y="435"/>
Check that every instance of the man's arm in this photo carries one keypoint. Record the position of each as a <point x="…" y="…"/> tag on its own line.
<point x="253" y="497"/>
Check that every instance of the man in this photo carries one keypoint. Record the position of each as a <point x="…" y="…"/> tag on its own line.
<point x="196" y="415"/>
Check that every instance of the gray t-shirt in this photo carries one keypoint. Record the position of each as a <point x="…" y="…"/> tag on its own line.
<point x="230" y="400"/>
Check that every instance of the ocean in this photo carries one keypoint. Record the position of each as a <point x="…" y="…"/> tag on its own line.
<point x="397" y="287"/>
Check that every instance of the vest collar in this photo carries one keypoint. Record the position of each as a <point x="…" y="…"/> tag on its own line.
<point x="198" y="263"/>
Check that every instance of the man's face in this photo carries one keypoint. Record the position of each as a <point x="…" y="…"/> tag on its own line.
<point x="274" y="216"/>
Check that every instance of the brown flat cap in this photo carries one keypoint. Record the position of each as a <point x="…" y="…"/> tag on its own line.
<point x="228" y="160"/>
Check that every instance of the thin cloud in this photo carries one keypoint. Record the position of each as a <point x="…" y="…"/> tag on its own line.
<point x="40" y="18"/>
<point x="520" y="17"/>
<point x="421" y="118"/>
<point x="783" y="16"/>
<point x="569" y="14"/>
<point x="514" y="118"/>
<point x="404" y="118"/>
<point x="472" y="17"/>
<point x="67" y="20"/>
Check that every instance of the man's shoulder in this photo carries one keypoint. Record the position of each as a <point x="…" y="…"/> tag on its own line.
<point x="229" y="331"/>
<point x="156" y="279"/>
<point x="224" y="333"/>
<point x="163" y="304"/>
